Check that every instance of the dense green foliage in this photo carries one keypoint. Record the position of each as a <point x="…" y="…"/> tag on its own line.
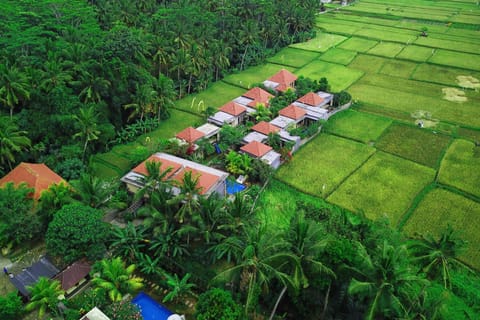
<point x="217" y="304"/>
<point x="86" y="69"/>
<point x="11" y="306"/>
<point x="77" y="231"/>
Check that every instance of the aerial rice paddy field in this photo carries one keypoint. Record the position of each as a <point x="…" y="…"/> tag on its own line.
<point x="374" y="158"/>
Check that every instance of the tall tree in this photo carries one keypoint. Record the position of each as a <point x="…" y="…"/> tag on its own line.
<point x="44" y="296"/>
<point x="87" y="120"/>
<point x="12" y="141"/>
<point x="14" y="86"/>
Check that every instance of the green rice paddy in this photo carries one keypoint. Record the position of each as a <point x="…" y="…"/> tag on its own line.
<point x="340" y="56"/>
<point x="358" y="44"/>
<point x="291" y="57"/>
<point x="384" y="186"/>
<point x="321" y="43"/>
<point x="339" y="77"/>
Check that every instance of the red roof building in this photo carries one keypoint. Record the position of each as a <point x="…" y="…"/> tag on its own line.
<point x="73" y="274"/>
<point x="265" y="128"/>
<point x="36" y="175"/>
<point x="285" y="80"/>
<point x="233" y="108"/>
<point x="256" y="149"/>
<point x="293" y="112"/>
<point x="205" y="180"/>
<point x="190" y="135"/>
<point x="312" y="99"/>
<point x="165" y="165"/>
<point x="258" y="95"/>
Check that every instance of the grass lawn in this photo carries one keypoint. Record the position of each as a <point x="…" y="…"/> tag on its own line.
<point x="384" y="186"/>
<point x="358" y="44"/>
<point x="460" y="113"/>
<point x="397" y="68"/>
<point x="178" y="121"/>
<point x="321" y="43"/>
<point x="356" y="125"/>
<point x="460" y="167"/>
<point x="278" y="204"/>
<point x="321" y="165"/>
<point x="367" y="63"/>
<point x="339" y="56"/>
<point x="440" y="208"/>
<point x="416" y="53"/>
<point x="456" y="59"/>
<point x="412" y="143"/>
<point x="386" y="49"/>
<point x="215" y="96"/>
<point x="339" y="77"/>
<point x="442" y="74"/>
<point x="105" y="170"/>
<point x="292" y="57"/>
<point x="249" y="77"/>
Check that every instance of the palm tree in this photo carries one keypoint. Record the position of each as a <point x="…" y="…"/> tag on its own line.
<point x="437" y="256"/>
<point x="116" y="278"/>
<point x="92" y="86"/>
<point x="170" y="244"/>
<point x="14" y="87"/>
<point x="178" y="287"/>
<point x="258" y="258"/>
<point x="188" y="198"/>
<point x="166" y="95"/>
<point x="87" y="120"/>
<point x="12" y="141"/>
<point x="128" y="241"/>
<point x="155" y="179"/>
<point x="54" y="74"/>
<point x="145" y="101"/>
<point x="95" y="192"/>
<point x="385" y="281"/>
<point x="44" y="296"/>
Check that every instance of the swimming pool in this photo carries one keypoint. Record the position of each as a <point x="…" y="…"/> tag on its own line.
<point x="151" y="309"/>
<point x="234" y="187"/>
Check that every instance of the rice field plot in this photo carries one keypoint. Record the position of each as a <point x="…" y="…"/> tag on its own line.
<point x="105" y="170"/>
<point x="278" y="205"/>
<point x="415" y="53"/>
<point x="456" y="59"/>
<point x="438" y="109"/>
<point x="448" y="44"/>
<point x="340" y="56"/>
<point x="215" y="96"/>
<point x="466" y="18"/>
<point x="460" y="167"/>
<point x="365" y="19"/>
<point x="399" y="12"/>
<point x="440" y="208"/>
<point x="339" y="77"/>
<point x="358" y="44"/>
<point x="292" y="57"/>
<point x="397" y="68"/>
<point x="470" y="134"/>
<point x="368" y="63"/>
<point x="384" y="186"/>
<point x="178" y="121"/>
<point x="246" y="79"/>
<point x="361" y="126"/>
<point x="321" y="165"/>
<point x="338" y="28"/>
<point x="386" y="35"/>
<point x="413" y="143"/>
<point x="447" y="75"/>
<point x="321" y="43"/>
<point x="386" y="49"/>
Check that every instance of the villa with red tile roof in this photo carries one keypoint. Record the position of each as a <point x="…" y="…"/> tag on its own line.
<point x="36" y="175"/>
<point x="230" y="113"/>
<point x="316" y="104"/>
<point x="189" y="135"/>
<point x="281" y="81"/>
<point x="209" y="179"/>
<point x="263" y="152"/>
<point x="265" y="128"/>
<point x="293" y="112"/>
<point x="253" y="97"/>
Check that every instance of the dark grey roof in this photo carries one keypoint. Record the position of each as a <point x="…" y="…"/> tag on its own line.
<point x="28" y="277"/>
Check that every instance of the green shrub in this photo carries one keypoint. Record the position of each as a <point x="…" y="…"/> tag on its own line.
<point x="11" y="307"/>
<point x="341" y="98"/>
<point x="217" y="304"/>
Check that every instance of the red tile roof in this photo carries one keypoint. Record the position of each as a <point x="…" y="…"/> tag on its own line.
<point x="258" y="95"/>
<point x="311" y="99"/>
<point x="190" y="135"/>
<point x="36" y="175"/>
<point x="265" y="127"/>
<point x="256" y="149"/>
<point x="142" y="169"/>
<point x="283" y="77"/>
<point x="73" y="274"/>
<point x="233" y="108"/>
<point x="293" y="112"/>
<point x="205" y="180"/>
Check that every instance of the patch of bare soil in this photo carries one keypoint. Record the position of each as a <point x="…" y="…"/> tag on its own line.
<point x="454" y="95"/>
<point x="468" y="82"/>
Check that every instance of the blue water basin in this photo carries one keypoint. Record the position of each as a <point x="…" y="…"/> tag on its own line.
<point x="234" y="187"/>
<point x="150" y="309"/>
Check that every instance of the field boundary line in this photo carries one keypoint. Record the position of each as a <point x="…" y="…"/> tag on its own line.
<point x="414" y="204"/>
<point x="459" y="192"/>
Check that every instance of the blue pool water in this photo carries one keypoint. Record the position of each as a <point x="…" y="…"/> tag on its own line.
<point x="151" y="309"/>
<point x="234" y="187"/>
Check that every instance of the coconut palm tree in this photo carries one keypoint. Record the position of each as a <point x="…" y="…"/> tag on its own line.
<point x="87" y="120"/>
<point x="44" y="296"/>
<point x="188" y="198"/>
<point x="116" y="278"/>
<point x="128" y="241"/>
<point x="437" y="256"/>
<point x="179" y="287"/>
<point x="12" y="141"/>
<point x="14" y="86"/>
<point x="384" y="281"/>
<point x="144" y="102"/>
<point x="95" y="192"/>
